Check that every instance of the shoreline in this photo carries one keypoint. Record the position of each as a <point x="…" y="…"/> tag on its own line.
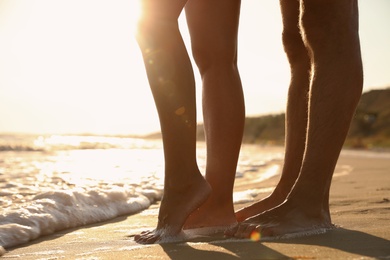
<point x="359" y="203"/>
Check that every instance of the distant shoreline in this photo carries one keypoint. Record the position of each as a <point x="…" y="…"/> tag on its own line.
<point x="370" y="128"/>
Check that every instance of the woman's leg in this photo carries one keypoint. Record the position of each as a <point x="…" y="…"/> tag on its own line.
<point x="213" y="27"/>
<point x="172" y="83"/>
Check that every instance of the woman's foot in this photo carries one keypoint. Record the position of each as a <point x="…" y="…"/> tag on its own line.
<point x="212" y="215"/>
<point x="176" y="206"/>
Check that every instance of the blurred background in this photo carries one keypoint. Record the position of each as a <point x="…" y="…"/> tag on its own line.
<point x="71" y="67"/>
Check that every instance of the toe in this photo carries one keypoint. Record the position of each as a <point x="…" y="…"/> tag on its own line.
<point x="151" y="239"/>
<point x="146" y="237"/>
<point x="231" y="231"/>
<point x="268" y="232"/>
<point x="245" y="231"/>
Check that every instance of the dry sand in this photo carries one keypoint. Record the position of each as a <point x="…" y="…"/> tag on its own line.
<point x="360" y="206"/>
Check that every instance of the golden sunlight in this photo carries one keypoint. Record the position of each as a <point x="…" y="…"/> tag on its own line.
<point x="135" y="13"/>
<point x="93" y="160"/>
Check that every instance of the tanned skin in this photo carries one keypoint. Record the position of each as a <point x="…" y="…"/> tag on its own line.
<point x="213" y="26"/>
<point x="321" y="41"/>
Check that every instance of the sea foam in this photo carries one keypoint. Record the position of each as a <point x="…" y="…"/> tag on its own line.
<point x="57" y="210"/>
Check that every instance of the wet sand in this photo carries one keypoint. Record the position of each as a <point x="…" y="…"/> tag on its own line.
<point x="360" y="206"/>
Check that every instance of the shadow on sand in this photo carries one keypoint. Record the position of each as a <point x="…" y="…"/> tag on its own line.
<point x="343" y="240"/>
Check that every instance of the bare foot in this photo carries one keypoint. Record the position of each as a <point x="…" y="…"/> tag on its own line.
<point x="263" y="205"/>
<point x="212" y="214"/>
<point x="283" y="221"/>
<point x="175" y="207"/>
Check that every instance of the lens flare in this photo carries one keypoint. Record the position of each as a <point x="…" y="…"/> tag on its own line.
<point x="135" y="14"/>
<point x="180" y="111"/>
<point x="255" y="236"/>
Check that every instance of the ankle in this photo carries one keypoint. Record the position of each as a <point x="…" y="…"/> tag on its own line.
<point x="279" y="194"/>
<point x="190" y="181"/>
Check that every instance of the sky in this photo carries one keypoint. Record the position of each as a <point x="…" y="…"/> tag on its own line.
<point x="73" y="66"/>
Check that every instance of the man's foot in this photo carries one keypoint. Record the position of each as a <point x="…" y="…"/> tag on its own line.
<point x="175" y="207"/>
<point x="285" y="220"/>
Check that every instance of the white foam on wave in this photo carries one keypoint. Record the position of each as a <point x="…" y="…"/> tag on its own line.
<point x="245" y="196"/>
<point x="57" y="210"/>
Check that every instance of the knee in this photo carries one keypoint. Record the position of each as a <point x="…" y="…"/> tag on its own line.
<point x="295" y="48"/>
<point x="329" y="26"/>
<point x="146" y="31"/>
<point x="208" y="56"/>
<point x="152" y="31"/>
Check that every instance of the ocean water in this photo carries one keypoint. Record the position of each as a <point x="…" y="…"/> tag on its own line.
<point x="55" y="182"/>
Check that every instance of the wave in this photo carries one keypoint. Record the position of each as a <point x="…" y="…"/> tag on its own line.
<point x="19" y="148"/>
<point x="53" y="211"/>
<point x="31" y="143"/>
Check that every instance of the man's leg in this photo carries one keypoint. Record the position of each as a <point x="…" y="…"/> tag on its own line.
<point x="336" y="87"/>
<point x="330" y="33"/>
<point x="296" y="111"/>
<point x="172" y="83"/>
<point x="213" y="27"/>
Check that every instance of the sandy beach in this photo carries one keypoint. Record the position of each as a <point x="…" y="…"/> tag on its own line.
<point x="360" y="207"/>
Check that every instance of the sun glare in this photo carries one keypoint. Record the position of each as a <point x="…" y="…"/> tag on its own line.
<point x="135" y="13"/>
